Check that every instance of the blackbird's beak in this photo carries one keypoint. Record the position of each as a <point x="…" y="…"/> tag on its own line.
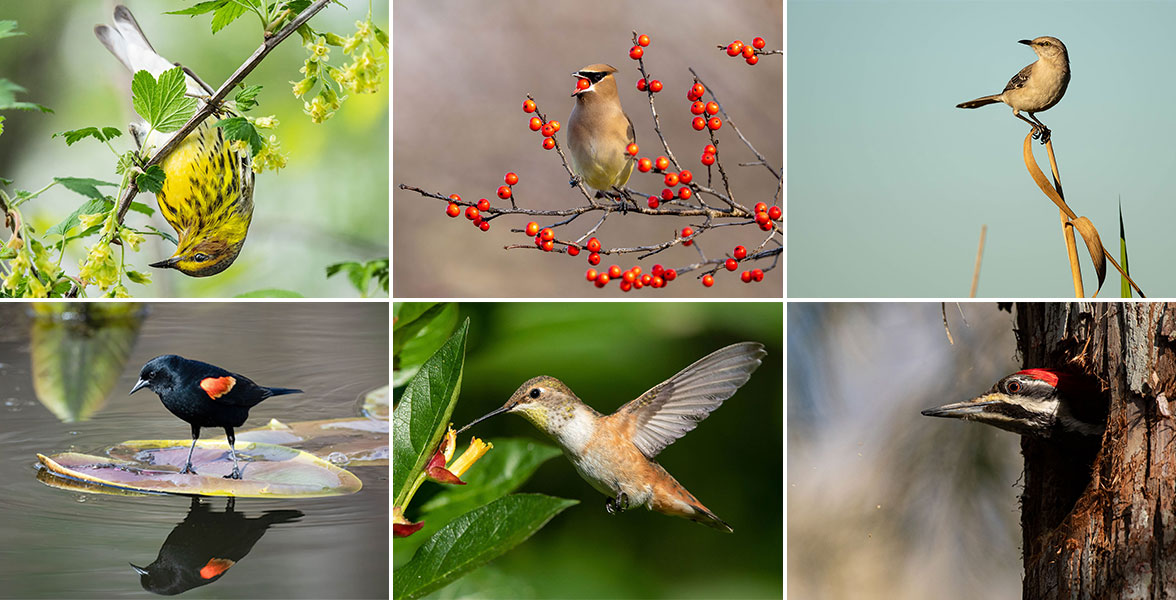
<point x="138" y="386"/>
<point x="138" y="569"/>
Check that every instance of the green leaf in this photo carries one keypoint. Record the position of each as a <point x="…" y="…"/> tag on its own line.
<point x="104" y="134"/>
<point x="1124" y="286"/>
<point x="141" y="208"/>
<point x="199" y="8"/>
<point x="239" y="128"/>
<point x="417" y="341"/>
<point x="8" y="101"/>
<point x="473" y="540"/>
<point x="246" y="98"/>
<point x="162" y="102"/>
<point x="226" y="14"/>
<point x="151" y="179"/>
<point x="8" y="29"/>
<point x="91" y="207"/>
<point x="163" y="234"/>
<point x="85" y="186"/>
<point x="270" y="293"/>
<point x="420" y="419"/>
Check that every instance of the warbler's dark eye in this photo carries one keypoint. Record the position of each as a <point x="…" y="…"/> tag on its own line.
<point x="534" y="393"/>
<point x="200" y="257"/>
<point x="1014" y="386"/>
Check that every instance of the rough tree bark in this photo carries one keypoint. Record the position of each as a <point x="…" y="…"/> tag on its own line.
<point x="1097" y="521"/>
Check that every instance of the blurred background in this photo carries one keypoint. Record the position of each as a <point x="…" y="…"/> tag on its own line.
<point x="64" y="378"/>
<point x="889" y="182"/>
<point x="464" y="70"/>
<point x="882" y="501"/>
<point x="328" y="205"/>
<point x="609" y="353"/>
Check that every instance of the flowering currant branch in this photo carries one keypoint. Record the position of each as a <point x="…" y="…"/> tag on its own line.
<point x="689" y="200"/>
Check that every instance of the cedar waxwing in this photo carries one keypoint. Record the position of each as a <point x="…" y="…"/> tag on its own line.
<point x="599" y="131"/>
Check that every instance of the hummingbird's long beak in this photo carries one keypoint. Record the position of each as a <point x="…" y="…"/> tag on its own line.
<point x="138" y="386"/>
<point x="498" y="411"/>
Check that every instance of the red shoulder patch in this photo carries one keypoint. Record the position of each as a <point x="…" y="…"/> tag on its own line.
<point x="1045" y="375"/>
<point x="215" y="566"/>
<point x="216" y="387"/>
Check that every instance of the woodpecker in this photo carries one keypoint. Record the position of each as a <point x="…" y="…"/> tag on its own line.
<point x="1044" y="403"/>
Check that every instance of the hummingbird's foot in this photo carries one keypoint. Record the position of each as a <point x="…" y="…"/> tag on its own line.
<point x="621" y="504"/>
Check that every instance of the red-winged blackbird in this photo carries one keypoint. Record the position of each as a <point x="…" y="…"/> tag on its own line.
<point x="204" y="395"/>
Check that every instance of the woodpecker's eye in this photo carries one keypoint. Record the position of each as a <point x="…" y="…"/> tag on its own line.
<point x="1014" y="387"/>
<point x="534" y="393"/>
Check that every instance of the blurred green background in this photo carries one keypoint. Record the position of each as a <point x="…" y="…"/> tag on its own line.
<point x="609" y="353"/>
<point x="330" y="204"/>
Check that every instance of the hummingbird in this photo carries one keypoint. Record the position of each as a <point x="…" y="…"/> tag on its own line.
<point x="615" y="453"/>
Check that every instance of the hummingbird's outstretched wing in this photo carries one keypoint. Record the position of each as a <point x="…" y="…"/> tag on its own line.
<point x="675" y="406"/>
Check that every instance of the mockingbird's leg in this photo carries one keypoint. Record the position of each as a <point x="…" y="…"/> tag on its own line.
<point x="1040" y="131"/>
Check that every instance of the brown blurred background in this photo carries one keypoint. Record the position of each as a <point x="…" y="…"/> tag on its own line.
<point x="461" y="71"/>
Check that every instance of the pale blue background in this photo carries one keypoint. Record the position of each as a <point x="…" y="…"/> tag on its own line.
<point x="889" y="183"/>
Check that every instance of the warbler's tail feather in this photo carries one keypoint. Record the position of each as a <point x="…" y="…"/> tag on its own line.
<point x="127" y="42"/>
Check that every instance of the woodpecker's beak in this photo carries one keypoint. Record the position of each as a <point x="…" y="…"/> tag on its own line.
<point x="1026" y="42"/>
<point x="960" y="410"/>
<point x="138" y="386"/>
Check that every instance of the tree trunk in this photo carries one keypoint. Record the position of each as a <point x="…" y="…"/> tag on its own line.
<point x="1097" y="521"/>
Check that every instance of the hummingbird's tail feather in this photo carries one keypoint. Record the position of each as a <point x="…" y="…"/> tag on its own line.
<point x="708" y="518"/>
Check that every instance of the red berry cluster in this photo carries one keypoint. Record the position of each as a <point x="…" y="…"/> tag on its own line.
<point x="764" y="215"/>
<point x="708" y="155"/>
<point x="731" y="264"/>
<point x="671" y="179"/>
<point x="473" y="212"/>
<point x="633" y="279"/>
<point x="636" y="52"/>
<point x="749" y="52"/>
<point x="548" y="128"/>
<point x="703" y="110"/>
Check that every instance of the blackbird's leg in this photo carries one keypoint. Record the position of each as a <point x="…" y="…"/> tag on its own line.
<point x="195" y="436"/>
<point x="236" y="474"/>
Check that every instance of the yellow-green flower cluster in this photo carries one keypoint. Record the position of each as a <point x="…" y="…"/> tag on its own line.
<point x="368" y="49"/>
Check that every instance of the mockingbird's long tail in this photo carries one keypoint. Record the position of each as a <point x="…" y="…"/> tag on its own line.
<point x="978" y="102"/>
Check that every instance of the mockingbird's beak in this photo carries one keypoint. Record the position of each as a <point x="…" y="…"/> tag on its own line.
<point x="1026" y="42"/>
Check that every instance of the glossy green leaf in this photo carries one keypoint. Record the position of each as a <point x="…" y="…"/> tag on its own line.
<point x="161" y="102"/>
<point x="473" y="540"/>
<point x="416" y="341"/>
<point x="420" y="418"/>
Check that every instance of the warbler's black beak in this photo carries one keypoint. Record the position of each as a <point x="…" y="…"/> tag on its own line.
<point x="138" y="386"/>
<point x="169" y="263"/>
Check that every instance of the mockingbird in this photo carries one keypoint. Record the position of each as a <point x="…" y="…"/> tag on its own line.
<point x="1037" y="87"/>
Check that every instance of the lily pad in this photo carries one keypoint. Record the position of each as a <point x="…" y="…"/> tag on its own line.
<point x="269" y="471"/>
<point x="350" y="442"/>
<point x="375" y="404"/>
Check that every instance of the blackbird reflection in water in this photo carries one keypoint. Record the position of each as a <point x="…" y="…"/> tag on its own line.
<point x="205" y="545"/>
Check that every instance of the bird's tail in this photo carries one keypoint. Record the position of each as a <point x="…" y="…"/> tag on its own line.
<point x="708" y="518"/>
<point x="283" y="391"/>
<point x="978" y="102"/>
<point x="127" y="42"/>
